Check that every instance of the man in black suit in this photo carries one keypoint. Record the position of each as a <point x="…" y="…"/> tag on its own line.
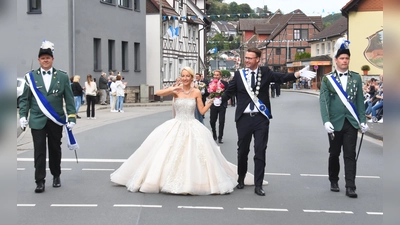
<point x="253" y="112"/>
<point x="218" y="110"/>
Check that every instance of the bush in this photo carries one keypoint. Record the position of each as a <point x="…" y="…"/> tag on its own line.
<point x="365" y="67"/>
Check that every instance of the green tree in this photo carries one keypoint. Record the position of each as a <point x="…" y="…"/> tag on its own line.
<point x="302" y="55"/>
<point x="226" y="73"/>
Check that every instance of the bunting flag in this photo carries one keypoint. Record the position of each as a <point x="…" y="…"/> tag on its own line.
<point x="263" y="41"/>
<point x="173" y="32"/>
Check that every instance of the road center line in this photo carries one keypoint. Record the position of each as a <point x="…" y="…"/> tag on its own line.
<point x="375" y="213"/>
<point x="200" y="207"/>
<point x="92" y="169"/>
<point x="264" y="209"/>
<point x="325" y="175"/>
<point x="20" y="169"/>
<point x="137" y="206"/>
<point x="26" y="205"/>
<point x="74" y="160"/>
<point x="327" y="211"/>
<point x="278" y="174"/>
<point x="73" y="205"/>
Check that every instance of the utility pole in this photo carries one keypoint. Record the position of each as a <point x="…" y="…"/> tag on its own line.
<point x="161" y="51"/>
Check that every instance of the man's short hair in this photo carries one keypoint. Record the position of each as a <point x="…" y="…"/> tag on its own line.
<point x="256" y="51"/>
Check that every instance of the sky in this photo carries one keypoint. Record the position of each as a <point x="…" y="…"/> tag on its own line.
<point x="309" y="7"/>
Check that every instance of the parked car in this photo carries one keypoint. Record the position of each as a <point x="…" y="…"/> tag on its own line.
<point x="20" y="88"/>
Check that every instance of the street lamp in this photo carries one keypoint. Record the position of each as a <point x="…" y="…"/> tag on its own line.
<point x="161" y="51"/>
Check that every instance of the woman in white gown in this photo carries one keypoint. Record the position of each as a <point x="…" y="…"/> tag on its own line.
<point x="180" y="156"/>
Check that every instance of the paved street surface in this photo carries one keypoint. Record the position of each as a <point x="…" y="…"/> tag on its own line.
<point x="298" y="190"/>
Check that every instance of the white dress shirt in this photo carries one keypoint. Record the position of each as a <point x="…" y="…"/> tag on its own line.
<point x="46" y="78"/>
<point x="248" y="110"/>
<point x="343" y="79"/>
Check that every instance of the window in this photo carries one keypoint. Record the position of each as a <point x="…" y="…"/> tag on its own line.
<point x="323" y="48"/>
<point x="137" y="56"/>
<point x="170" y="77"/>
<point x="34" y="6"/>
<point x="97" y="54"/>
<point x="300" y="34"/>
<point x="317" y="49"/>
<point x="278" y="51"/>
<point x="328" y="47"/>
<point x="125" y="3"/>
<point x="111" y="55"/>
<point x="136" y="5"/>
<point x="300" y="50"/>
<point x="124" y="51"/>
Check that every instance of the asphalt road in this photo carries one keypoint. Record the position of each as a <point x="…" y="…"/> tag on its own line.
<point x="298" y="190"/>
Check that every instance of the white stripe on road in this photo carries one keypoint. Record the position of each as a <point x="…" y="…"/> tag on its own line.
<point x="327" y="211"/>
<point x="73" y="205"/>
<point x="264" y="209"/>
<point x="375" y="213"/>
<point x="61" y="168"/>
<point x="137" y="206"/>
<point x="91" y="169"/>
<point x="74" y="160"/>
<point x="199" y="207"/>
<point x="313" y="175"/>
<point x="26" y="205"/>
<point x="278" y="174"/>
<point x="325" y="175"/>
<point x="20" y="169"/>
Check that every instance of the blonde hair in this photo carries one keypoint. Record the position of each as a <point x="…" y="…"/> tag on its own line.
<point x="189" y="70"/>
<point x="76" y="78"/>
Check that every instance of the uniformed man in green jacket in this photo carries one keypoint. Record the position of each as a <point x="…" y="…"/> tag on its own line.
<point x="343" y="113"/>
<point x="54" y="85"/>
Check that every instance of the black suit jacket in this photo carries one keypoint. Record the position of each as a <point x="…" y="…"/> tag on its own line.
<point x="236" y="87"/>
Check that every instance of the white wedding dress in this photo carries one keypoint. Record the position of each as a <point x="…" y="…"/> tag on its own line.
<point x="180" y="157"/>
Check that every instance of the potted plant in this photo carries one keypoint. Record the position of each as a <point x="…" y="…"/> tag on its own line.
<point x="365" y="69"/>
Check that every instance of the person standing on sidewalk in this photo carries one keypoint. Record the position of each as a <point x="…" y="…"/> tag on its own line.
<point x="342" y="111"/>
<point x="43" y="98"/>
<point x="120" y="93"/>
<point x="103" y="87"/>
<point x="91" y="92"/>
<point x="77" y="90"/>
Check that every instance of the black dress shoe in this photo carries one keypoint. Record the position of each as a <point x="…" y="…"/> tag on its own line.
<point x="78" y="117"/>
<point x="56" y="182"/>
<point x="215" y="136"/>
<point x="351" y="192"/>
<point x="259" y="191"/>
<point x="220" y="141"/>
<point x="39" y="187"/>
<point x="335" y="187"/>
<point x="240" y="185"/>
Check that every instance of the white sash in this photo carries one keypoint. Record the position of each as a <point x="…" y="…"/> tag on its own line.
<point x="257" y="102"/>
<point x="48" y="111"/>
<point x="343" y="97"/>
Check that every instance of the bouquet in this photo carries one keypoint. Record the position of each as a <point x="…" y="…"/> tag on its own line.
<point x="202" y="87"/>
<point x="216" y="89"/>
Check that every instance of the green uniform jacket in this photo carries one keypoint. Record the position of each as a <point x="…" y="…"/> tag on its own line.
<point x="59" y="91"/>
<point x="332" y="108"/>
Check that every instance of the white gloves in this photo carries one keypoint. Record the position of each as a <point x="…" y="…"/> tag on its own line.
<point x="329" y="127"/>
<point x="306" y="73"/>
<point x="70" y="125"/>
<point x="23" y="123"/>
<point x="364" y="127"/>
<point x="217" y="101"/>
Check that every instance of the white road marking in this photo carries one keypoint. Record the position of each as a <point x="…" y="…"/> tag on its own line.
<point x="61" y="168"/>
<point x="325" y="175"/>
<point x="327" y="211"/>
<point x="264" y="209"/>
<point x="20" y="169"/>
<point x="91" y="169"/>
<point x="375" y="213"/>
<point x="313" y="175"/>
<point x="73" y="205"/>
<point x="74" y="160"/>
<point x="26" y="205"/>
<point x="278" y="174"/>
<point x="139" y="206"/>
<point x="199" y="207"/>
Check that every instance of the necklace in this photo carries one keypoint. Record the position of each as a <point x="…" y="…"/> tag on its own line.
<point x="258" y="81"/>
<point x="188" y="92"/>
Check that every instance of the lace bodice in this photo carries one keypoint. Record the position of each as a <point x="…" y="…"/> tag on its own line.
<point x="184" y="108"/>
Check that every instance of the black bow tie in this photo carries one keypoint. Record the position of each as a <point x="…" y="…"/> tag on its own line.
<point x="340" y="74"/>
<point x="46" y="72"/>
